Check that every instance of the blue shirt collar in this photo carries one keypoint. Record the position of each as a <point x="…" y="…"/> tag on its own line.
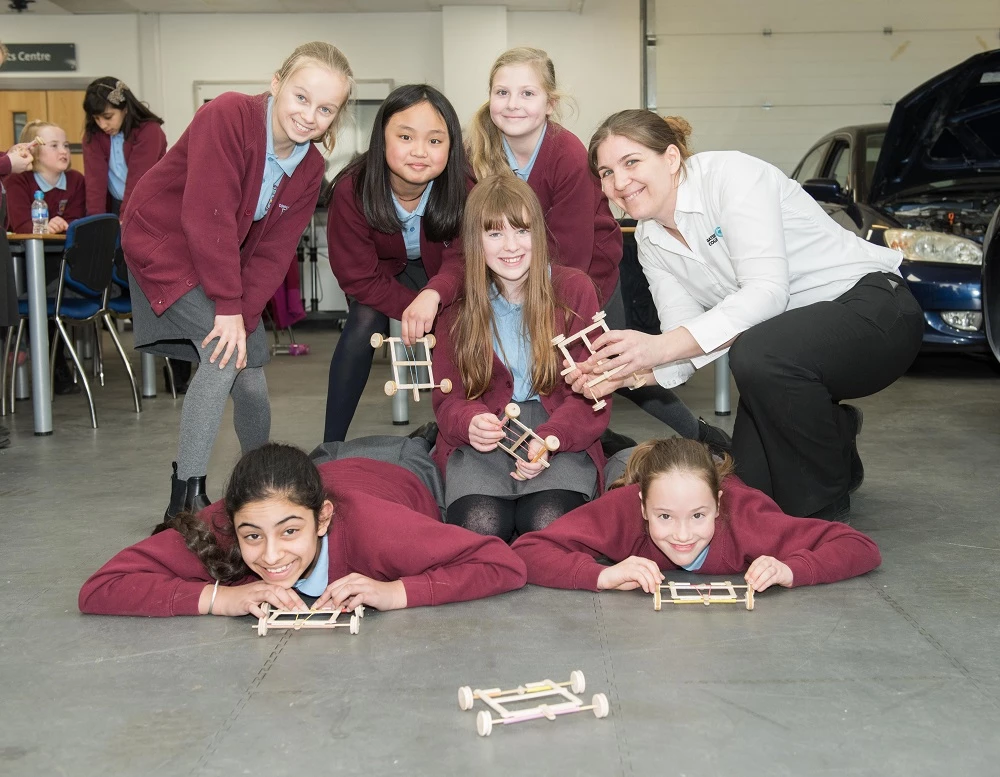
<point x="319" y="578"/>
<point x="46" y="187"/>
<point x="418" y="212"/>
<point x="512" y="161"/>
<point x="288" y="164"/>
<point x="695" y="565"/>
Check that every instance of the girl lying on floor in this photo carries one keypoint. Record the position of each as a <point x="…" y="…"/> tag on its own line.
<point x="349" y="532"/>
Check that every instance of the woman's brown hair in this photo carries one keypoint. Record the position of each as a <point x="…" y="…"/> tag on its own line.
<point x="646" y="128"/>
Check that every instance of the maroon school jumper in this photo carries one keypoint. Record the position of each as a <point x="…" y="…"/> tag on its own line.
<point x="366" y="261"/>
<point x="144" y="147"/>
<point x="189" y="221"/>
<point x="67" y="203"/>
<point x="571" y="417"/>
<point x="381" y="538"/>
<point x="582" y="231"/>
<point x="750" y="525"/>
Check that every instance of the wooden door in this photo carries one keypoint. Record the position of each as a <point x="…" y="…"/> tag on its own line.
<point x="65" y="108"/>
<point x="16" y="110"/>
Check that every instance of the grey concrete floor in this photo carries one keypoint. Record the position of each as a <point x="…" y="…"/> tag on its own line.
<point x="894" y="673"/>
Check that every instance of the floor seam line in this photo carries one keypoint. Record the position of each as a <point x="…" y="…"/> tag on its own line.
<point x="609" y="672"/>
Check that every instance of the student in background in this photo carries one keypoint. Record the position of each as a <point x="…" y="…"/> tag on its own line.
<point x="495" y="345"/>
<point x="208" y="235"/>
<point x="50" y="173"/>
<point x="678" y="507"/>
<point x="515" y="133"/>
<point x="393" y="222"/>
<point x="350" y="532"/>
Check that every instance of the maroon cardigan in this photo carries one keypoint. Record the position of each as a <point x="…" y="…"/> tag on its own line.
<point x="144" y="147"/>
<point x="375" y="531"/>
<point x="189" y="221"/>
<point x="582" y="231"/>
<point x="366" y="261"/>
<point x="571" y="417"/>
<point x="67" y="203"/>
<point x="565" y="553"/>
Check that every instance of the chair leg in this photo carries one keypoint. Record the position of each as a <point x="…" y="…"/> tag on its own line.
<point x="170" y="377"/>
<point x="79" y="368"/>
<point x="128" y="365"/>
<point x="13" y="374"/>
<point x="52" y="369"/>
<point x="98" y="352"/>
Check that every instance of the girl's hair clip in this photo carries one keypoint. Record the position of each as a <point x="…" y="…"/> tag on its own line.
<point x="117" y="95"/>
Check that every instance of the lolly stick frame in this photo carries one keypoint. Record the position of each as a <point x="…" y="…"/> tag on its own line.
<point x="723" y="592"/>
<point x="275" y="618"/>
<point x="398" y="383"/>
<point x="517" y="444"/>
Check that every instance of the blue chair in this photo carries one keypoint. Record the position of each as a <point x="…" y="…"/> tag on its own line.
<point x="86" y="269"/>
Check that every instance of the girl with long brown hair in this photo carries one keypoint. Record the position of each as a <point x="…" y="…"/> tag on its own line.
<point x="495" y="345"/>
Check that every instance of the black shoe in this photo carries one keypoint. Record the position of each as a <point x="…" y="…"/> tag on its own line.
<point x="4" y="437"/>
<point x="840" y="510"/>
<point x="857" y="466"/>
<point x="196" y="499"/>
<point x="62" y="380"/>
<point x="612" y="442"/>
<point x="178" y="494"/>
<point x="717" y="440"/>
<point x="428" y="431"/>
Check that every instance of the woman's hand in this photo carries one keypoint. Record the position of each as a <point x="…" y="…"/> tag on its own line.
<point x="767" y="571"/>
<point x="578" y="380"/>
<point x="232" y="337"/>
<point x="356" y="589"/>
<point x="57" y="225"/>
<point x="418" y="318"/>
<point x="485" y="431"/>
<point x="633" y="572"/>
<point x="247" y="599"/>
<point x="526" y="470"/>
<point x="632" y="351"/>
<point x="20" y="158"/>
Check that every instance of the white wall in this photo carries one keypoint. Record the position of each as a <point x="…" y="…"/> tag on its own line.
<point x="826" y="64"/>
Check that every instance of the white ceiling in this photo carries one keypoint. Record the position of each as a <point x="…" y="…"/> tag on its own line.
<point x="277" y="6"/>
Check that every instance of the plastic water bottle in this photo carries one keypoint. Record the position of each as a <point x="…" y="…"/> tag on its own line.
<point x="39" y="214"/>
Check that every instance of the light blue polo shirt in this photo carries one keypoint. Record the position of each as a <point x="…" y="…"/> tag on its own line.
<point x="117" y="167"/>
<point x="410" y="222"/>
<point x="512" y="161"/>
<point x="319" y="578"/>
<point x="46" y="187"/>
<point x="275" y="168"/>
<point x="512" y="344"/>
<point x="695" y="565"/>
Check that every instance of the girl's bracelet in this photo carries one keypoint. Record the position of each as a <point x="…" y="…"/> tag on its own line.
<point x="215" y="591"/>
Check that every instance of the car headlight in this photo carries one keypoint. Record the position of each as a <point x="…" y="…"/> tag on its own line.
<point x="919" y="245"/>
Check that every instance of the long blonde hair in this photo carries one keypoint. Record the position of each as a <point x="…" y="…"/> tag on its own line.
<point x="329" y="56"/>
<point x="653" y="458"/>
<point x="495" y="199"/>
<point x="485" y="140"/>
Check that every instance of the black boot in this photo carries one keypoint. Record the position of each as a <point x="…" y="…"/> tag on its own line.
<point x="857" y="466"/>
<point x="717" y="440"/>
<point x="196" y="499"/>
<point x="428" y="431"/>
<point x="612" y="442"/>
<point x="178" y="492"/>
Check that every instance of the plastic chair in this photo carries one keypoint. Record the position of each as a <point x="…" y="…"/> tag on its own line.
<point x="86" y="268"/>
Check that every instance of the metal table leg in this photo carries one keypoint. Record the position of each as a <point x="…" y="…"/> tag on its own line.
<point x="722" y="406"/>
<point x="38" y="327"/>
<point x="148" y="376"/>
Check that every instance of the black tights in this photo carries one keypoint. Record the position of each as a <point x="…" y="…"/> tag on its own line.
<point x="497" y="517"/>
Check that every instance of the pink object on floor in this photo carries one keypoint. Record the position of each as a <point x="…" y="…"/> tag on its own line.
<point x="298" y="349"/>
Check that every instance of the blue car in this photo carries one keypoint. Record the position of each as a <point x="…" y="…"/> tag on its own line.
<point x="927" y="183"/>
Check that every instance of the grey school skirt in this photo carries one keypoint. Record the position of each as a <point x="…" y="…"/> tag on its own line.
<point x="189" y="319"/>
<point x="488" y="474"/>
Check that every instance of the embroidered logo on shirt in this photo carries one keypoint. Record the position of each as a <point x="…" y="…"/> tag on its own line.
<point x="714" y="237"/>
<point x="283" y="207"/>
<point x="62" y="206"/>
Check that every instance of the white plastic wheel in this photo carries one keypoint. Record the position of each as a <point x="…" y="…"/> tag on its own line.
<point x="512" y="410"/>
<point x="445" y="386"/>
<point x="601" y="706"/>
<point x="552" y="443"/>
<point x="749" y="597"/>
<point x="484" y="723"/>
<point x="360" y="611"/>
<point x="262" y="627"/>
<point x="390" y="388"/>
<point x="376" y="340"/>
<point x="355" y="624"/>
<point x="577" y="683"/>
<point x="600" y="405"/>
<point x="430" y="340"/>
<point x="465" y="699"/>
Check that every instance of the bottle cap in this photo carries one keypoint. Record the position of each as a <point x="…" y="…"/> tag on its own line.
<point x="39" y="195"/>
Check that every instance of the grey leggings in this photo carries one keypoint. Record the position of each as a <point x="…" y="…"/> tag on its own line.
<point x="205" y="402"/>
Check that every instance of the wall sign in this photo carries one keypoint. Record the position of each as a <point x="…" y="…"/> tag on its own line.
<point x="40" y="57"/>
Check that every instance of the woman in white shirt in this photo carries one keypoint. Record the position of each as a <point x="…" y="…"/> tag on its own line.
<point x="739" y="257"/>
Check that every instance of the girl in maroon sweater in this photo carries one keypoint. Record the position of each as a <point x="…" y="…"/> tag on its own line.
<point x="122" y="139"/>
<point x="513" y="133"/>
<point x="353" y="531"/>
<point x="495" y="345"/>
<point x="394" y="216"/>
<point x="680" y="508"/>
<point x="208" y="235"/>
<point x="50" y="174"/>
